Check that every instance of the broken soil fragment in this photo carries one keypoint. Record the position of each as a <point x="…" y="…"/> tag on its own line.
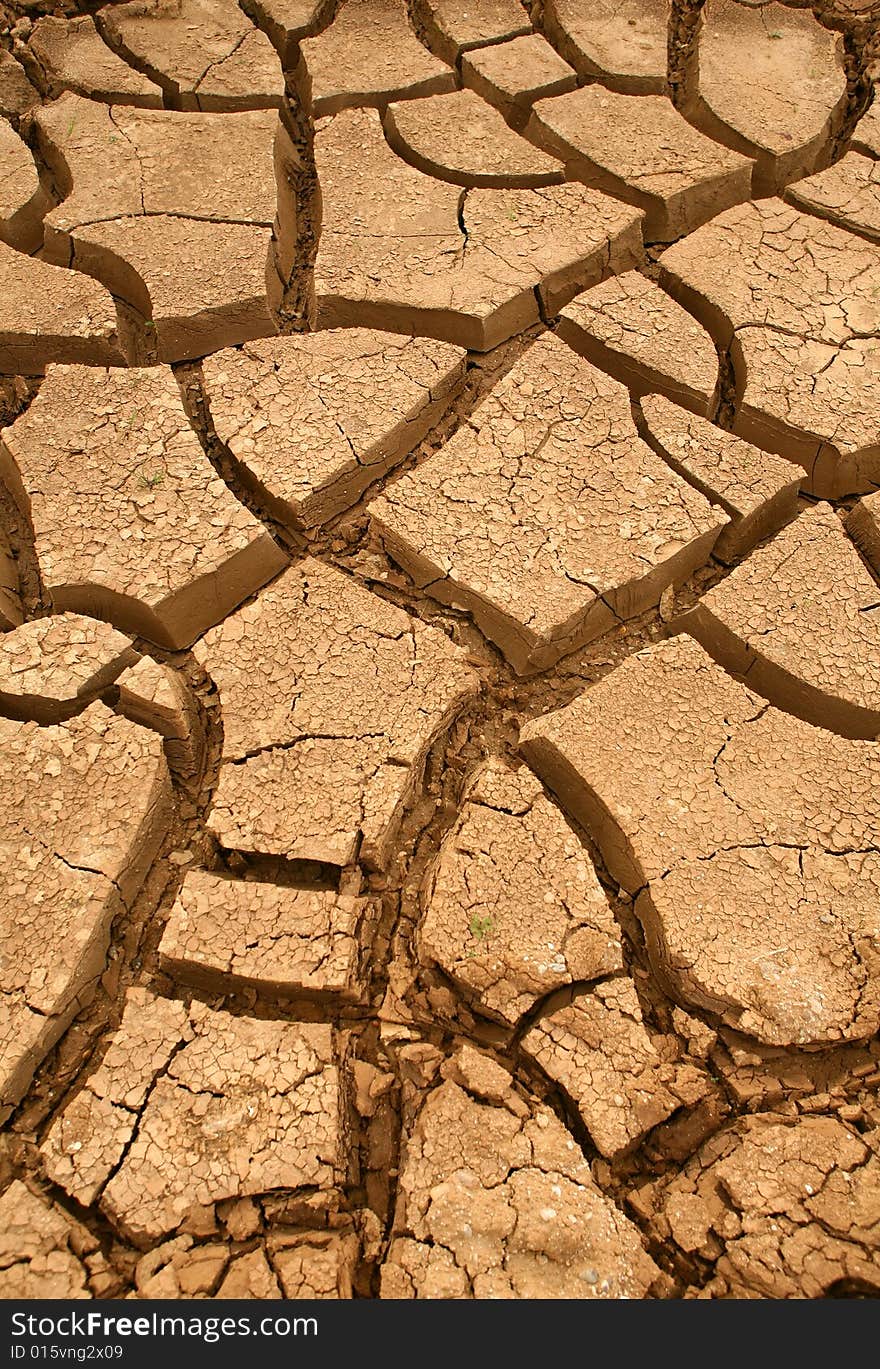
<point x="72" y="55"/>
<point x="640" y="149"/>
<point x="311" y="420"/>
<point x="601" y="1054"/>
<point x="225" y="933"/>
<point x="545" y="515"/>
<point x="331" y="698"/>
<point x="205" y="54"/>
<point x="133" y="525"/>
<point x="370" y="55"/>
<point x="632" y="329"/>
<point x="513" y="907"/>
<point x="759" y="491"/>
<point x="202" y="1107"/>
<point x="748" y="837"/>
<point x="402" y="251"/>
<point x="795" y="300"/>
<point x="496" y="1200"/>
<point x="799" y="621"/>
<point x="90" y="804"/>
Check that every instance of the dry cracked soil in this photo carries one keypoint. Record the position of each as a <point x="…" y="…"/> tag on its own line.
<point x="440" y="649"/>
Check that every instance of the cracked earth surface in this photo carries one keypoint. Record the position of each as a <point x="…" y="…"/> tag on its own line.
<point x="439" y="649"/>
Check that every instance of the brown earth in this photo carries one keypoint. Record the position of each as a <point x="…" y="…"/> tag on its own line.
<point x="439" y="669"/>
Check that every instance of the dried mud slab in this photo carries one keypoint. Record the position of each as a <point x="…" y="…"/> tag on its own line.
<point x="130" y="521"/>
<point x="545" y="515"/>
<point x="89" y="803"/>
<point x="631" y="328"/>
<point x="513" y="907"/>
<point x="747" y="836"/>
<point x="847" y="194"/>
<point x="187" y="253"/>
<point x="863" y="526"/>
<point x="599" y="1052"/>
<point x="205" y="54"/>
<point x="190" y="1107"/>
<point x="312" y="420"/>
<point x="772" y="85"/>
<point x="23" y="201"/>
<point x="496" y="1201"/>
<point x="796" y="302"/>
<point x="451" y="27"/>
<point x="402" y="251"/>
<point x="778" y="1208"/>
<point x="370" y="55"/>
<point x="799" y="621"/>
<point x="640" y="149"/>
<point x="462" y="139"/>
<point x="52" y="668"/>
<point x="41" y="1248"/>
<point x="72" y="55"/>
<point x="621" y="44"/>
<point x="330" y="698"/>
<point x="17" y="95"/>
<point x="512" y="76"/>
<point x="758" y="491"/>
<point x="227" y="934"/>
<point x="315" y="1265"/>
<point x="50" y="315"/>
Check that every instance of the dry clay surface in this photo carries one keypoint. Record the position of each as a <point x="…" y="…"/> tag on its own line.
<point x="439" y="649"/>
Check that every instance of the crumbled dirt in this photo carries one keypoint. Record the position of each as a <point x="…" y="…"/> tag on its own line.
<point x="439" y="720"/>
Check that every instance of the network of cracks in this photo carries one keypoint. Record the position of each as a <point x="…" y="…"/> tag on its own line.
<point x="439" y="649"/>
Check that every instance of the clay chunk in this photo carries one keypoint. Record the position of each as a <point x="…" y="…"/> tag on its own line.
<point x="72" y="55"/>
<point x="52" y="668"/>
<point x="512" y="76"/>
<point x="621" y="44"/>
<point x="757" y="490"/>
<point x="88" y="804"/>
<point x="496" y="1201"/>
<point x="41" y="1248"/>
<point x="779" y="1209"/>
<point x="796" y="301"/>
<point x="750" y="97"/>
<point x="642" y="150"/>
<point x="799" y="621"/>
<point x="513" y="907"/>
<point x="370" y="55"/>
<point x="747" y="835"/>
<point x="599" y="1051"/>
<point x="205" y="54"/>
<point x="312" y="420"/>
<point x="201" y="1107"/>
<point x="631" y="328"/>
<point x="462" y="139"/>
<point x="227" y="933"/>
<point x="847" y="193"/>
<point x="545" y="515"/>
<point x="315" y="1265"/>
<point x="53" y="315"/>
<point x="402" y="251"/>
<point x="187" y="254"/>
<point x="131" y="524"/>
<point x="330" y="699"/>
<point x="10" y="591"/>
